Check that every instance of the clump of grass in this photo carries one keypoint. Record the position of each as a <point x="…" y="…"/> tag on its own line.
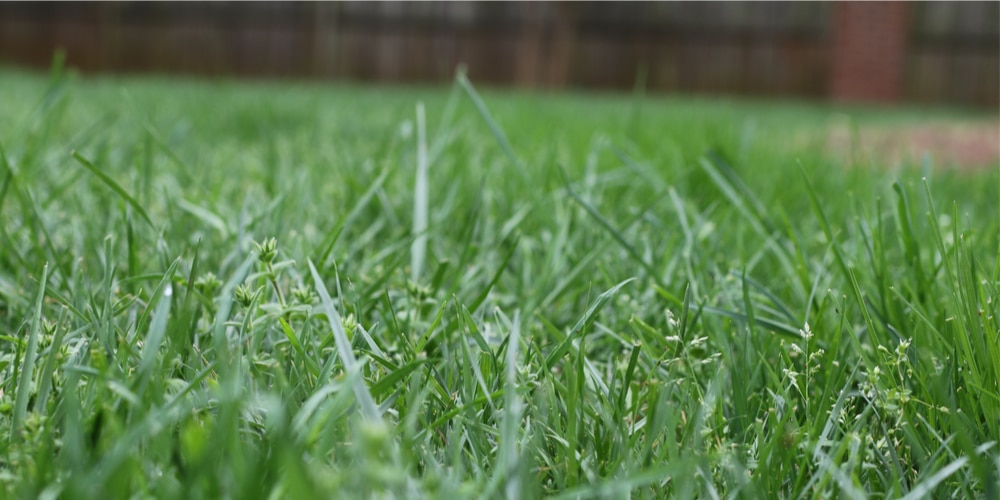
<point x="233" y="290"/>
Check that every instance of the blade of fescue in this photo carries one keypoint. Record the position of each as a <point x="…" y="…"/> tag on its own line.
<point x="583" y="324"/>
<point x="501" y="138"/>
<point x="157" y="332"/>
<point x="512" y="413"/>
<point x="225" y="308"/>
<point x="747" y="206"/>
<point x="509" y="457"/>
<point x="617" y="235"/>
<point x="45" y="377"/>
<point x="418" y="250"/>
<point x="28" y="368"/>
<point x="365" y="400"/>
<point x="925" y="488"/>
<point x="108" y="181"/>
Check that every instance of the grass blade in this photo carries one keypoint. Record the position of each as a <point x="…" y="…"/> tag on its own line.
<point x="618" y="237"/>
<point x="368" y="408"/>
<point x="418" y="250"/>
<point x="157" y="332"/>
<point x="311" y="365"/>
<point x="205" y="215"/>
<point x="788" y="331"/>
<point x="478" y="301"/>
<point x="509" y="455"/>
<point x="925" y="487"/>
<point x="108" y="181"/>
<point x="45" y="379"/>
<point x="583" y="324"/>
<point x="501" y="138"/>
<point x="25" y="379"/>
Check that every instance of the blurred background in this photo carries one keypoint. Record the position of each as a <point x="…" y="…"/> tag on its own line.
<point x="926" y="52"/>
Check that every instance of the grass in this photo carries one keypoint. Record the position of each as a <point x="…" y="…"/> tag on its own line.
<point x="212" y="289"/>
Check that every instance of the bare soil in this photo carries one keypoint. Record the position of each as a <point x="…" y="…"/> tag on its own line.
<point x="953" y="145"/>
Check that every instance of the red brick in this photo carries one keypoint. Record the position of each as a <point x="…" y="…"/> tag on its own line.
<point x="869" y="50"/>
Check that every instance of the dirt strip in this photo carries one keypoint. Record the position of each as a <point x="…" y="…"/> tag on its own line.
<point x="952" y="145"/>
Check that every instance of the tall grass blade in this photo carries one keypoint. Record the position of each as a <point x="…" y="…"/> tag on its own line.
<point x="748" y="206"/>
<point x="478" y="301"/>
<point x="418" y="250"/>
<point x="498" y="133"/>
<point x="26" y="378"/>
<point x="785" y="330"/>
<point x="368" y="408"/>
<point x="583" y="323"/>
<point x="108" y="181"/>
<point x="154" y="339"/>
<point x="513" y="408"/>
<point x="926" y="487"/>
<point x="220" y="340"/>
<point x="824" y="224"/>
<point x="205" y="215"/>
<point x="45" y="379"/>
<point x="617" y="235"/>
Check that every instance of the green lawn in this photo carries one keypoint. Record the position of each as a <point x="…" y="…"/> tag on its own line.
<point x="609" y="296"/>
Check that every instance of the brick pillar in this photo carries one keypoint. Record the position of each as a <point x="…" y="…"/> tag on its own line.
<point x="869" y="50"/>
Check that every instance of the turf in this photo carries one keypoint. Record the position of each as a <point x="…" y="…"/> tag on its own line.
<point x="213" y="289"/>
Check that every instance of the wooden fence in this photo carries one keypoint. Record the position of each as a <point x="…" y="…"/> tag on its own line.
<point x="769" y="48"/>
